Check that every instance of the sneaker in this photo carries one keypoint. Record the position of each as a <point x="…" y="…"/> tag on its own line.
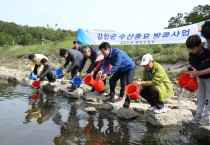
<point x="126" y="104"/>
<point x="203" y="121"/>
<point x="196" y="119"/>
<point x="151" y="108"/>
<point x="160" y="111"/>
<point x="111" y="100"/>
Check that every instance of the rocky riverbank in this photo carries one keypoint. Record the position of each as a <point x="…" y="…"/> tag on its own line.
<point x="174" y="116"/>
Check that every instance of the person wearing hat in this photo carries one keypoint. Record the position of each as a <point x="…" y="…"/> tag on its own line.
<point x="94" y="55"/>
<point x="37" y="66"/>
<point x="155" y="84"/>
<point x="76" y="46"/>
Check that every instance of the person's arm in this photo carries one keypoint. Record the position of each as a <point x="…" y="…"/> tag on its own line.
<point x="93" y="62"/>
<point x="39" y="70"/>
<point x="104" y="65"/>
<point x="82" y="64"/>
<point x="32" y="67"/>
<point x="116" y="65"/>
<point x="66" y="63"/>
<point x="98" y="67"/>
<point x="108" y="68"/>
<point x="45" y="71"/>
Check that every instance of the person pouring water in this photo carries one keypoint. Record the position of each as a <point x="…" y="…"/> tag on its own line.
<point x="73" y="56"/>
<point x="155" y="85"/>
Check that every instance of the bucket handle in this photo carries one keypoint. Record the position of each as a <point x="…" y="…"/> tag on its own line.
<point x="182" y="73"/>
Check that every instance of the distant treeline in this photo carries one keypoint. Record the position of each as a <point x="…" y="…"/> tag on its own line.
<point x="13" y="34"/>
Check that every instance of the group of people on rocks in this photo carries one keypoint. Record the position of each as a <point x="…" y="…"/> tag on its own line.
<point x="155" y="84"/>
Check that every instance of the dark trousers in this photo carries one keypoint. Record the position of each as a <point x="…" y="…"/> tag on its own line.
<point x="35" y="69"/>
<point x="127" y="75"/>
<point x="50" y="76"/>
<point x="74" y="71"/>
<point x="151" y="94"/>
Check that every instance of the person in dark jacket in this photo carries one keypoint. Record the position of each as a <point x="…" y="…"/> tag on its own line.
<point x="199" y="59"/>
<point x="122" y="65"/>
<point x="73" y="56"/>
<point x="76" y="46"/>
<point x="205" y="32"/>
<point x="92" y="55"/>
<point x="47" y="71"/>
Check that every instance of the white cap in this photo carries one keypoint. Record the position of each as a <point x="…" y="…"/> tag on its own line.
<point x="100" y="56"/>
<point x="146" y="59"/>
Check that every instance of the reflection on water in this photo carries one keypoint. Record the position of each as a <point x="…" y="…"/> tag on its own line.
<point x="36" y="118"/>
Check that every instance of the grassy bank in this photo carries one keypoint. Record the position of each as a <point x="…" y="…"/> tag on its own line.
<point x="13" y="56"/>
<point x="162" y="53"/>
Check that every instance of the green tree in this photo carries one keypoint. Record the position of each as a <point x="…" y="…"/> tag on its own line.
<point x="198" y="14"/>
<point x="5" y="39"/>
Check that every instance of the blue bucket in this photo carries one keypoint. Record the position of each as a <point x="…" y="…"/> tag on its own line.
<point x="32" y="76"/>
<point x="77" y="82"/>
<point x="59" y="73"/>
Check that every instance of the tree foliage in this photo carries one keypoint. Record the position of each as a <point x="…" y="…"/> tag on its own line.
<point x="24" y="35"/>
<point x="198" y="14"/>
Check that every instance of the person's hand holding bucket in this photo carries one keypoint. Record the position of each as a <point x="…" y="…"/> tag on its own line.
<point x="59" y="73"/>
<point x="187" y="82"/>
<point x="32" y="76"/>
<point x="99" y="74"/>
<point x="88" y="80"/>
<point x="193" y="72"/>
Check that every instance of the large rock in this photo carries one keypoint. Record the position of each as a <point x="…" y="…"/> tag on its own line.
<point x="171" y="117"/>
<point x="94" y="98"/>
<point x="125" y="113"/>
<point x="50" y="87"/>
<point x="197" y="132"/>
<point x="186" y="104"/>
<point x="76" y="94"/>
<point x="13" y="80"/>
<point x="106" y="106"/>
<point x="25" y="81"/>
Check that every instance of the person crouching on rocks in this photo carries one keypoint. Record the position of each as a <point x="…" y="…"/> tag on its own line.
<point x="37" y="67"/>
<point x="48" y="71"/>
<point x="155" y="85"/>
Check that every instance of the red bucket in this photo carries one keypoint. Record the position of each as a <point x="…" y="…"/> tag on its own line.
<point x="99" y="85"/>
<point x="187" y="82"/>
<point x="36" y="84"/>
<point x="132" y="90"/>
<point x="88" y="80"/>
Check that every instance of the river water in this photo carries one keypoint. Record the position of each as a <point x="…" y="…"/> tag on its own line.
<point x="29" y="119"/>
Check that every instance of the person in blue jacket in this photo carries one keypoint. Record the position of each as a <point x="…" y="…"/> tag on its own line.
<point x="122" y="65"/>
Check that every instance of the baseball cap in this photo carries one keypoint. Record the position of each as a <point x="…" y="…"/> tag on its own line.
<point x="146" y="59"/>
